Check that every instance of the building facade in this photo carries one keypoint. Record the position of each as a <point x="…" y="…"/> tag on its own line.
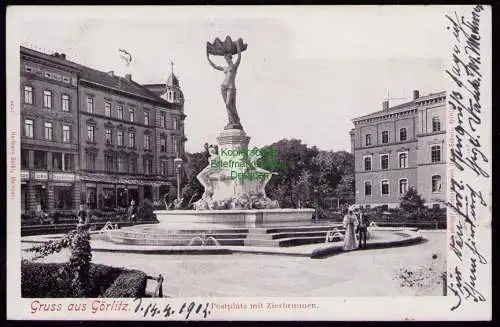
<point x="96" y="139"/>
<point x="401" y="147"/>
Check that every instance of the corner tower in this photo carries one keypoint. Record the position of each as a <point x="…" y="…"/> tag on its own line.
<point x="173" y="92"/>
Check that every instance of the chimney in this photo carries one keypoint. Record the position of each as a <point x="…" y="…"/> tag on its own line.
<point x="111" y="73"/>
<point x="385" y="105"/>
<point x="128" y="77"/>
<point x="416" y="94"/>
<point x="63" y="56"/>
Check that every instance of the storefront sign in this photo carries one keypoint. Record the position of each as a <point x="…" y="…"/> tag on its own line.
<point x="63" y="177"/>
<point x="25" y="174"/>
<point x="41" y="175"/>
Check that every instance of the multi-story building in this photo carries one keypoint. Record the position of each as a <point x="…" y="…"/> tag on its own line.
<point x="49" y="138"/>
<point x="122" y="137"/>
<point x="401" y="147"/>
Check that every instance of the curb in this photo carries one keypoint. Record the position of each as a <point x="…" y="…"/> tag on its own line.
<point x="167" y="251"/>
<point x="338" y="249"/>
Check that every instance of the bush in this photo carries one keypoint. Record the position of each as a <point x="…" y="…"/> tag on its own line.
<point x="131" y="283"/>
<point x="53" y="280"/>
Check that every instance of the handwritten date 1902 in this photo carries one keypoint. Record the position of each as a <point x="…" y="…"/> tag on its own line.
<point x="165" y="310"/>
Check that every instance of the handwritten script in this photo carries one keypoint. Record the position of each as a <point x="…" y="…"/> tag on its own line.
<point x="162" y="310"/>
<point x="467" y="155"/>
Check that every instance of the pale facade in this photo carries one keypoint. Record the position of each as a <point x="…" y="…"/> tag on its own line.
<point x="401" y="147"/>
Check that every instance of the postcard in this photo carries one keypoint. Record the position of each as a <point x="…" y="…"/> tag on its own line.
<point x="249" y="163"/>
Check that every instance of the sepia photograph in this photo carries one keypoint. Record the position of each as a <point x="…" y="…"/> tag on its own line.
<point x="210" y="156"/>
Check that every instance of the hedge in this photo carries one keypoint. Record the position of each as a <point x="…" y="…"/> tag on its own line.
<point x="50" y="280"/>
<point x="131" y="283"/>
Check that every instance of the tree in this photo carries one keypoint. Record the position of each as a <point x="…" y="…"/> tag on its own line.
<point x="345" y="189"/>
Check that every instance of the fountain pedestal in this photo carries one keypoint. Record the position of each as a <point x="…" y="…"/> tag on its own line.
<point x="231" y="179"/>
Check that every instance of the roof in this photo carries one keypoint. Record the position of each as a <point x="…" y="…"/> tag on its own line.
<point x="98" y="77"/>
<point x="401" y="107"/>
<point x="172" y="80"/>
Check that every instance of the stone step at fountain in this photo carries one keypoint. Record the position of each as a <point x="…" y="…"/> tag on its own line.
<point x="290" y="236"/>
<point x="283" y="235"/>
<point x="266" y="237"/>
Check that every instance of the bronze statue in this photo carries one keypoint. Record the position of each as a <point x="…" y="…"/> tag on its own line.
<point x="228" y="86"/>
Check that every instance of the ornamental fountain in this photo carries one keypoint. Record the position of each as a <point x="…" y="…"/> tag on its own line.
<point x="234" y="195"/>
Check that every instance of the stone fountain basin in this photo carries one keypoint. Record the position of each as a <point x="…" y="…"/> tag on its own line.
<point x="246" y="218"/>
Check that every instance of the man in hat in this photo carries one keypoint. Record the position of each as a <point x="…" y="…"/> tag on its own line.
<point x="362" y="228"/>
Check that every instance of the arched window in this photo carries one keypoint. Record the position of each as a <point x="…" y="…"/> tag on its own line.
<point x="368" y="139"/>
<point x="402" y="134"/>
<point x="436" y="183"/>
<point x="436" y="124"/>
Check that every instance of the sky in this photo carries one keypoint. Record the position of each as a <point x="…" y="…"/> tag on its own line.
<point x="307" y="72"/>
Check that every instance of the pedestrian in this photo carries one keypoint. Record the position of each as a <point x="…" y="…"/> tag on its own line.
<point x="132" y="212"/>
<point x="82" y="215"/>
<point x="362" y="228"/>
<point x="350" y="223"/>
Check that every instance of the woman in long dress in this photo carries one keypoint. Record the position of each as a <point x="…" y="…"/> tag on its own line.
<point x="350" y="223"/>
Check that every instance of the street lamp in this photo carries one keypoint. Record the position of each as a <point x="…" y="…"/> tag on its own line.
<point x="178" y="166"/>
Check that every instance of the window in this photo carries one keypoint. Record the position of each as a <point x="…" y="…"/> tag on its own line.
<point x="403" y="186"/>
<point x="384" y="161"/>
<point x="176" y="146"/>
<point x="436" y="124"/>
<point x="91" y="159"/>
<point x="68" y="162"/>
<point x="28" y="94"/>
<point x="119" y="111"/>
<point x="65" y="102"/>
<point x="385" y="187"/>
<point x="163" y="144"/>
<point x="57" y="161"/>
<point x="28" y="128"/>
<point x="121" y="164"/>
<point x="107" y="109"/>
<point x="91" y="133"/>
<point x="402" y="134"/>
<point x="368" y="139"/>
<point x="385" y="136"/>
<point x="368" y="188"/>
<point x="90" y="104"/>
<point x="147" y="143"/>
<point x="131" y="140"/>
<point x="403" y="160"/>
<point x="47" y="99"/>
<point x="436" y="183"/>
<point x="131" y="112"/>
<point x="146" y="117"/>
<point x="163" y="167"/>
<point x="48" y="131"/>
<point x="108" y="163"/>
<point x="436" y="153"/>
<point x="368" y="163"/>
<point x="66" y="133"/>
<point x="163" y="120"/>
<point x="25" y="157"/>
<point x="147" y="166"/>
<point x="119" y="138"/>
<point x="40" y="160"/>
<point x="176" y="123"/>
<point x="132" y="165"/>
<point x="108" y="135"/>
